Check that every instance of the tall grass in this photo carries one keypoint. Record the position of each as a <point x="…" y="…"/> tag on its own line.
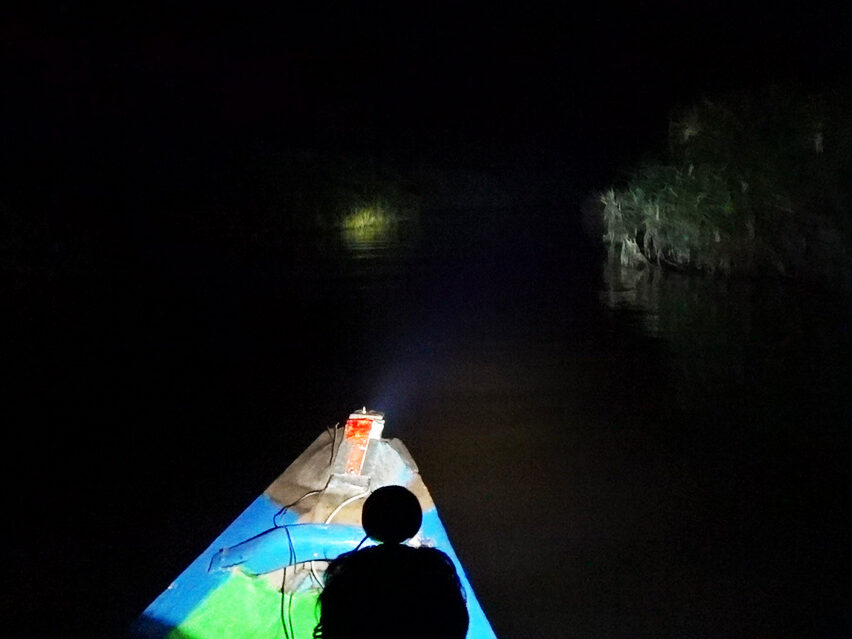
<point x="748" y="183"/>
<point x="308" y="193"/>
<point x="368" y="223"/>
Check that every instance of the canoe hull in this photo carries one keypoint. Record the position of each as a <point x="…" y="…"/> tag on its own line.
<point x="261" y="575"/>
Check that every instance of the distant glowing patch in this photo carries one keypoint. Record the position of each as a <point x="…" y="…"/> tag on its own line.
<point x="368" y="224"/>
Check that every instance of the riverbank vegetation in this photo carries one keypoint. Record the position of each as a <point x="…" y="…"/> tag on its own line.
<point x="313" y="196"/>
<point x="747" y="184"/>
<point x="301" y="193"/>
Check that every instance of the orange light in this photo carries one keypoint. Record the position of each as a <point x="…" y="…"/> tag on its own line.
<point x="360" y="428"/>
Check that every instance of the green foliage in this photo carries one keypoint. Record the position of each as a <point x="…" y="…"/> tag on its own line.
<point x="368" y="223"/>
<point x="305" y="193"/>
<point x="749" y="183"/>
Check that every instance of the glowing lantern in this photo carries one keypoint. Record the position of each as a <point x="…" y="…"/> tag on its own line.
<point x="361" y="427"/>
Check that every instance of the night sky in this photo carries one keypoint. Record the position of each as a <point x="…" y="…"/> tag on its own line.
<point x="457" y="80"/>
<point x="114" y="117"/>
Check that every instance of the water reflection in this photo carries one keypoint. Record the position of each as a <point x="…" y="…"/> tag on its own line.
<point x="759" y="430"/>
<point x="726" y="335"/>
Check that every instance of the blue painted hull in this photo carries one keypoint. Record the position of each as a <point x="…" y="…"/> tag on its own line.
<point x="277" y="548"/>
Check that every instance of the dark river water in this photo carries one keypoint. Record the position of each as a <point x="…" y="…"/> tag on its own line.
<point x="614" y="454"/>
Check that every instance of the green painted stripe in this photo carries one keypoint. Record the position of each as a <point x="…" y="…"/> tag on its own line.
<point x="245" y="607"/>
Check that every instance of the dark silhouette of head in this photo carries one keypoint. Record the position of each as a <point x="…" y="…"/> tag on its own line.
<point x="392" y="591"/>
<point x="391" y="514"/>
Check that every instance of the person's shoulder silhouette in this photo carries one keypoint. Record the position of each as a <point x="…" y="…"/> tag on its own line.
<point x="392" y="590"/>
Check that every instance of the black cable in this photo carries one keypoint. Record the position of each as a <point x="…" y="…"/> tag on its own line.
<point x="292" y="562"/>
<point x="289" y="632"/>
<point x="281" y="608"/>
<point x="333" y="442"/>
<point x="284" y="509"/>
<point x="361" y="542"/>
